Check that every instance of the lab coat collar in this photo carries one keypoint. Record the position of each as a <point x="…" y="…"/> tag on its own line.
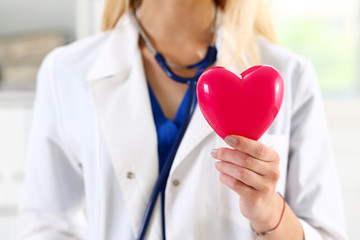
<point x="118" y="51"/>
<point x="111" y="62"/>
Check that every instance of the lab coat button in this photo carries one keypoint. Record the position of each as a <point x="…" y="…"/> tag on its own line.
<point x="130" y="175"/>
<point x="176" y="182"/>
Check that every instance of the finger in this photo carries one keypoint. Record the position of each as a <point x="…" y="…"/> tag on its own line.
<point x="244" y="175"/>
<point x="240" y="188"/>
<point x="254" y="148"/>
<point x="240" y="159"/>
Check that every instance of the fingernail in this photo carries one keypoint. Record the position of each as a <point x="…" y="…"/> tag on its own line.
<point x="216" y="164"/>
<point x="232" y="141"/>
<point x="214" y="153"/>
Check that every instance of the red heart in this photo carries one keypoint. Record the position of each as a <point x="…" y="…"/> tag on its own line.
<point x="244" y="105"/>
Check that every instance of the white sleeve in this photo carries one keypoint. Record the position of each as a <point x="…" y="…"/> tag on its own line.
<point x="53" y="191"/>
<point x="313" y="189"/>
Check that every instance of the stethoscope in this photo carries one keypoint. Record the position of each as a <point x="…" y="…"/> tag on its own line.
<point x="205" y="63"/>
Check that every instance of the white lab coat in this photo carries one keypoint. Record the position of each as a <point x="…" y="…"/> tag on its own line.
<point x="93" y="144"/>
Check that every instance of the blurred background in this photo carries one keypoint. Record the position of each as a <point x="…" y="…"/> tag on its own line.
<point x="324" y="31"/>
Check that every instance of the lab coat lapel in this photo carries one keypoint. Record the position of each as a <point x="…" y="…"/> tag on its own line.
<point x="196" y="132"/>
<point x="198" y="128"/>
<point x="121" y="99"/>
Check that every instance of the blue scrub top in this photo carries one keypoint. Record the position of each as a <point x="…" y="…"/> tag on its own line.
<point x="166" y="129"/>
<point x="167" y="132"/>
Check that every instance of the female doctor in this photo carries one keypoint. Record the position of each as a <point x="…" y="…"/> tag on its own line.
<point x="107" y="115"/>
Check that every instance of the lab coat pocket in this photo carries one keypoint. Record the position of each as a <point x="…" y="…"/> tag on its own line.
<point x="228" y="200"/>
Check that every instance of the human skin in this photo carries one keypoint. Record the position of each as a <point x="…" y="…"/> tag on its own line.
<point x="251" y="169"/>
<point x="180" y="30"/>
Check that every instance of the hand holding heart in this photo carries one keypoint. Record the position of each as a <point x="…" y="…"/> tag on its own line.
<point x="244" y="107"/>
<point x="251" y="169"/>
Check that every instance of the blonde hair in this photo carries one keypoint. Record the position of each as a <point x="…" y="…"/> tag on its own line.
<point x="243" y="20"/>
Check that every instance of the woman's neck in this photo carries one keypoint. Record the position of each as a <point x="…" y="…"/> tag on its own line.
<point x="180" y="30"/>
<point x="176" y="22"/>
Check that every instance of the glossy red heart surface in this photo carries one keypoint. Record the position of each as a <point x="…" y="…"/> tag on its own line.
<point x="244" y="104"/>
